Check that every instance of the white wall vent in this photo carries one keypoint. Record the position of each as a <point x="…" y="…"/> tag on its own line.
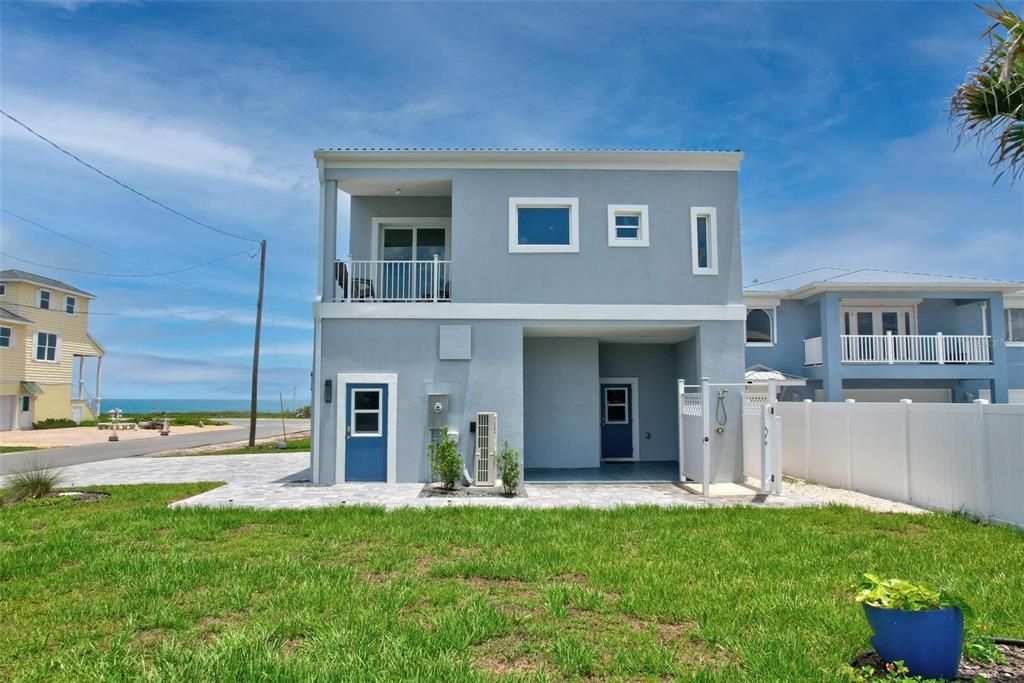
<point x="486" y="448"/>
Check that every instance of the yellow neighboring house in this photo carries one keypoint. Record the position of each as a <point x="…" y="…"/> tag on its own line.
<point x="43" y="333"/>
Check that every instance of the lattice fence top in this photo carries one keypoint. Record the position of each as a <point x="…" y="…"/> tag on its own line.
<point x="753" y="404"/>
<point x="692" y="405"/>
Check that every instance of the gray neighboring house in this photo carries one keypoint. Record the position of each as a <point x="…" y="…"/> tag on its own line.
<point x="871" y="334"/>
<point x="563" y="291"/>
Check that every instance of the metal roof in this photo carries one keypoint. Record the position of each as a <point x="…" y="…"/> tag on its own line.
<point x="761" y="374"/>
<point x="632" y="150"/>
<point x="11" y="316"/>
<point x="826" y="278"/>
<point x="25" y="276"/>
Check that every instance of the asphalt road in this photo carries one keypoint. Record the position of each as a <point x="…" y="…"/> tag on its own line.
<point x="74" y="455"/>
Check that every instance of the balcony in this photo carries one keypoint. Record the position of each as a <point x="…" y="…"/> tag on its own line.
<point x="393" y="281"/>
<point x="891" y="349"/>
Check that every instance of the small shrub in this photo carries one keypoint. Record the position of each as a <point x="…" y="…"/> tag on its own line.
<point x="508" y="467"/>
<point x="303" y="412"/>
<point x="54" y="423"/>
<point x="35" y="482"/>
<point x="446" y="461"/>
<point x="903" y="595"/>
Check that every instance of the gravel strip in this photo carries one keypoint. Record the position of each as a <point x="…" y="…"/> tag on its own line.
<point x="827" y="494"/>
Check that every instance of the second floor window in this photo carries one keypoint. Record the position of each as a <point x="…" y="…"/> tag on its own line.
<point x="543" y="224"/>
<point x="5" y="337"/>
<point x="627" y="225"/>
<point x="704" y="240"/>
<point x="44" y="299"/>
<point x="69" y="305"/>
<point x="1015" y="325"/>
<point x="46" y="347"/>
<point x="3" y="289"/>
<point x="760" y="327"/>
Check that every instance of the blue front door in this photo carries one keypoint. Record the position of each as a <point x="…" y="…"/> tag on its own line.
<point x="366" y="432"/>
<point x="616" y="422"/>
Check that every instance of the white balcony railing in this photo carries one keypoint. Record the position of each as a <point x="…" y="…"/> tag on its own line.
<point x="905" y="348"/>
<point x="812" y="351"/>
<point x="373" y="281"/>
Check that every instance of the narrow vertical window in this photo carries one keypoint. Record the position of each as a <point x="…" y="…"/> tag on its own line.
<point x="44" y="299"/>
<point x="69" y="305"/>
<point x="704" y="240"/>
<point x="5" y="337"/>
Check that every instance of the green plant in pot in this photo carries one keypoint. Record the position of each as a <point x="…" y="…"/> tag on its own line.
<point x="920" y="626"/>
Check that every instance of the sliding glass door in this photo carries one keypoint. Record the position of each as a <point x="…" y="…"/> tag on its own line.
<point x="409" y="251"/>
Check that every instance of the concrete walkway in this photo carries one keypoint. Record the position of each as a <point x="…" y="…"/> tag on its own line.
<point x="280" y="480"/>
<point x="74" y="455"/>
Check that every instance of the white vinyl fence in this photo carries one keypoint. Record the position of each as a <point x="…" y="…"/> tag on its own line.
<point x="945" y="456"/>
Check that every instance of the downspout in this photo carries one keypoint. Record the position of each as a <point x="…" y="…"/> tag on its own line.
<point x="984" y="318"/>
<point x="315" y="394"/>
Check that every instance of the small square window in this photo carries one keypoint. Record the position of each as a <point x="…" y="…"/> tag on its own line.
<point x="367" y="423"/>
<point x="44" y="299"/>
<point x="543" y="224"/>
<point x="5" y="337"/>
<point x="627" y="225"/>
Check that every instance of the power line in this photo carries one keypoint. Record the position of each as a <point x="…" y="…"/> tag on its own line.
<point x="124" y="275"/>
<point x="7" y="304"/>
<point x="125" y="185"/>
<point x="121" y="258"/>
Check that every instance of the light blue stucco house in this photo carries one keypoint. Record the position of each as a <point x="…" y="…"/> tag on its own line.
<point x="879" y="335"/>
<point x="561" y="294"/>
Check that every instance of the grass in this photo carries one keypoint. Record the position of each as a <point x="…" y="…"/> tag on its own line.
<point x="301" y="444"/>
<point x="17" y="449"/>
<point x="125" y="588"/>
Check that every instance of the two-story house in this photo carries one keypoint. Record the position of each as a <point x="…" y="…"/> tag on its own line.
<point x="878" y="335"/>
<point x="44" y="344"/>
<point x="564" y="291"/>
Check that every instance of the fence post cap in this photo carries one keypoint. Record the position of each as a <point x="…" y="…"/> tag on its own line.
<point x="981" y="401"/>
<point x="905" y="400"/>
<point x="850" y="400"/>
<point x="807" y="400"/>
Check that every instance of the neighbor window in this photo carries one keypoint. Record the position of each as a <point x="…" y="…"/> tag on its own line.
<point x="26" y="404"/>
<point x="627" y="225"/>
<point x="760" y="327"/>
<point x="3" y="289"/>
<point x="69" y="305"/>
<point x="5" y="337"/>
<point x="1015" y="325"/>
<point x="543" y="224"/>
<point x="44" y="299"/>
<point x="46" y="347"/>
<point x="704" y="240"/>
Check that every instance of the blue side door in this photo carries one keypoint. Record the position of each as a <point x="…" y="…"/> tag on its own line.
<point x="616" y="422"/>
<point x="366" y="432"/>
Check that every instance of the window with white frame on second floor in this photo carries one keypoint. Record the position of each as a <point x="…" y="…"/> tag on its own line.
<point x="628" y="225"/>
<point x="1015" y="326"/>
<point x="760" y="327"/>
<point x="704" y="240"/>
<point x="3" y="288"/>
<point x="44" y="299"/>
<point x="6" y="335"/>
<point x="543" y="225"/>
<point x="46" y="347"/>
<point x="70" y="305"/>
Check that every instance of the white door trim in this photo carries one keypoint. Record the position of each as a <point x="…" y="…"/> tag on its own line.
<point x="634" y="407"/>
<point x="377" y="223"/>
<point x="341" y="414"/>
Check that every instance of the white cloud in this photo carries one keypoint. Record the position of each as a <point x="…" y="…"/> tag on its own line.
<point x="171" y="145"/>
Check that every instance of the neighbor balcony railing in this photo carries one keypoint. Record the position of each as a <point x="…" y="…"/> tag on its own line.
<point x="905" y="348"/>
<point x="374" y="281"/>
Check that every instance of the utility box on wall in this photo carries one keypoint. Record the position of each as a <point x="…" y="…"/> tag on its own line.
<point x="437" y="411"/>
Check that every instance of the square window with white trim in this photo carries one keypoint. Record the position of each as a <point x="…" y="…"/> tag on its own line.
<point x="704" y="240"/>
<point x="46" y="347"/>
<point x="366" y="410"/>
<point x="538" y="225"/>
<point x="6" y="337"/>
<point x="627" y="225"/>
<point x="1015" y="326"/>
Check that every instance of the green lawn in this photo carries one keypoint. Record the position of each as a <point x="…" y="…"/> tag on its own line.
<point x="126" y="588"/>
<point x="17" y="449"/>
<point x="293" y="445"/>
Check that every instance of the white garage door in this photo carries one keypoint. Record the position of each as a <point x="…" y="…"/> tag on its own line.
<point x="7" y="405"/>
<point x="893" y="395"/>
<point x="1016" y="395"/>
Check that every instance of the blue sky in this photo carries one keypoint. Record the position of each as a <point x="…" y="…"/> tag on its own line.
<point x="215" y="108"/>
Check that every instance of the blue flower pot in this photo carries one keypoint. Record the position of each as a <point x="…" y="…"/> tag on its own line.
<point x="928" y="642"/>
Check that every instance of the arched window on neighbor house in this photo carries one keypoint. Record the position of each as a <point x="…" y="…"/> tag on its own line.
<point x="759" y="326"/>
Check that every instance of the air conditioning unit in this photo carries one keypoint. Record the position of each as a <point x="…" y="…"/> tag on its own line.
<point x="485" y="455"/>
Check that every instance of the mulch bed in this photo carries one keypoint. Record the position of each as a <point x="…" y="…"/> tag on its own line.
<point x="1011" y="672"/>
<point x="436" y="491"/>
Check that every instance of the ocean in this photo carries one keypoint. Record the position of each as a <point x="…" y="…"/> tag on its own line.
<point x="194" y="405"/>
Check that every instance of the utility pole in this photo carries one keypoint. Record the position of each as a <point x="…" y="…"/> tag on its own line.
<point x="256" y="346"/>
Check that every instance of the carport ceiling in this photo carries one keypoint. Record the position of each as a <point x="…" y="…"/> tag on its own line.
<point x="608" y="332"/>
